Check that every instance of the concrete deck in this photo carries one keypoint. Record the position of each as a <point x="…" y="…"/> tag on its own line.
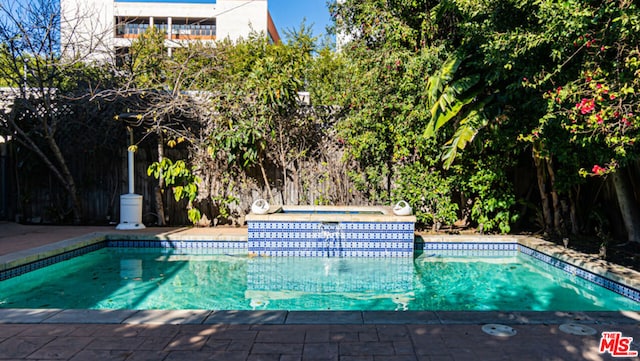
<point x="282" y="335"/>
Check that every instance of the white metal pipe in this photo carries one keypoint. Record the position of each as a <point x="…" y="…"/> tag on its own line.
<point x="131" y="173"/>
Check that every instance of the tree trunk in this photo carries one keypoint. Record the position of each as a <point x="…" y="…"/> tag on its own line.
<point x="283" y="163"/>
<point x="61" y="172"/>
<point x="158" y="188"/>
<point x="295" y="175"/>
<point x="266" y="182"/>
<point x="573" y="212"/>
<point x="628" y="207"/>
<point x="557" y="211"/>
<point x="547" y="217"/>
<point x="68" y="181"/>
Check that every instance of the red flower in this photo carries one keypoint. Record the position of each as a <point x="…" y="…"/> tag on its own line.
<point x="599" y="119"/>
<point x="586" y="106"/>
<point x="598" y="170"/>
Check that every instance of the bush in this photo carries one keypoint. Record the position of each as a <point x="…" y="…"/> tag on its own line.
<point x="428" y="192"/>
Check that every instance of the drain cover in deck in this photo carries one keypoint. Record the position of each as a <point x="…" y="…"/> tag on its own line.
<point x="577" y="329"/>
<point x="499" y="330"/>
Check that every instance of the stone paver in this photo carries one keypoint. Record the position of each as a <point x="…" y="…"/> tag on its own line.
<point x="296" y="342"/>
<point x="79" y="335"/>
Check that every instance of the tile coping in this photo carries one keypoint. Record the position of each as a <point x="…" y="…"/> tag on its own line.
<point x="381" y="214"/>
<point x="622" y="275"/>
<point x="209" y="317"/>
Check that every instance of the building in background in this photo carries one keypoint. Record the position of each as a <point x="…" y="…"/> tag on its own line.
<point x="101" y="28"/>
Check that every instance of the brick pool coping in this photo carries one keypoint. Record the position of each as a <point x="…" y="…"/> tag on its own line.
<point x="592" y="264"/>
<point x="209" y="317"/>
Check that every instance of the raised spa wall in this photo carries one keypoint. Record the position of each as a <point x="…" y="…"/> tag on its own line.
<point x="331" y="231"/>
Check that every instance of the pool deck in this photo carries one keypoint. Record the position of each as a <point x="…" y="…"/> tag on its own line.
<point x="281" y="335"/>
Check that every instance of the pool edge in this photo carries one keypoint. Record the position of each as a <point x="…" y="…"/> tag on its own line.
<point x="617" y="273"/>
<point x="276" y="317"/>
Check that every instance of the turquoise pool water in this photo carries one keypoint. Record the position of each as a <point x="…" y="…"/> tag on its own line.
<point x="129" y="278"/>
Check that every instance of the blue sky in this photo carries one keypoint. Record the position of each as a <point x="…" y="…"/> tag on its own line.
<point x="288" y="14"/>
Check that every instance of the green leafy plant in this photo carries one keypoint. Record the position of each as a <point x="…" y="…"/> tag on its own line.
<point x="493" y="200"/>
<point x="181" y="180"/>
<point x="429" y="193"/>
<point x="224" y="203"/>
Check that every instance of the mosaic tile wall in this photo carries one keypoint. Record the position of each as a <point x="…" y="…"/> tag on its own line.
<point x="333" y="275"/>
<point x="331" y="239"/>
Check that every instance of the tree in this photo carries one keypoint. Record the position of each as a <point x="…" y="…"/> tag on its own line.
<point x="163" y="95"/>
<point x="44" y="86"/>
<point x="412" y="98"/>
<point x="260" y="119"/>
<point x="594" y="108"/>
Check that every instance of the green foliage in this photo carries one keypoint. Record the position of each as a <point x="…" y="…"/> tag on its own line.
<point x="149" y="58"/>
<point x="448" y="98"/>
<point x="182" y="181"/>
<point x="396" y="24"/>
<point x="224" y="203"/>
<point x="493" y="199"/>
<point x="406" y="93"/>
<point x="258" y="104"/>
<point x="325" y="76"/>
<point x="428" y="99"/>
<point x="591" y="123"/>
<point x="429" y="193"/>
<point x="240" y="141"/>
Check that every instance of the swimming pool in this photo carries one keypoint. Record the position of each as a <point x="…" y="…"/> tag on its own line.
<point x="489" y="277"/>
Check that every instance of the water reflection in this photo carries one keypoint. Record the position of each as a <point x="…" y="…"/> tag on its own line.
<point x="272" y="279"/>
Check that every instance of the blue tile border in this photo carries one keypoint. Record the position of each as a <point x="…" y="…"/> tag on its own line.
<point x="472" y="246"/>
<point x="240" y="245"/>
<point x="224" y="246"/>
<point x="582" y="273"/>
<point x="466" y="249"/>
<point x="450" y="249"/>
<point x="20" y="270"/>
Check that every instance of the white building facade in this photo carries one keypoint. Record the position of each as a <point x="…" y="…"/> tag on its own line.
<point x="101" y="27"/>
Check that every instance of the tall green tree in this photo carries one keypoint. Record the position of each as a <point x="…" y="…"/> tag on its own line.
<point x="562" y="73"/>
<point x="593" y="102"/>
<point x="259" y="115"/>
<point x="45" y="88"/>
<point x="413" y="98"/>
<point x="163" y="95"/>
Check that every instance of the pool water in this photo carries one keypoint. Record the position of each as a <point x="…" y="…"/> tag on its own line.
<point x="129" y="278"/>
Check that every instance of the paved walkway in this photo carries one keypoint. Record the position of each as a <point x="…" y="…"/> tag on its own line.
<point x="345" y="336"/>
